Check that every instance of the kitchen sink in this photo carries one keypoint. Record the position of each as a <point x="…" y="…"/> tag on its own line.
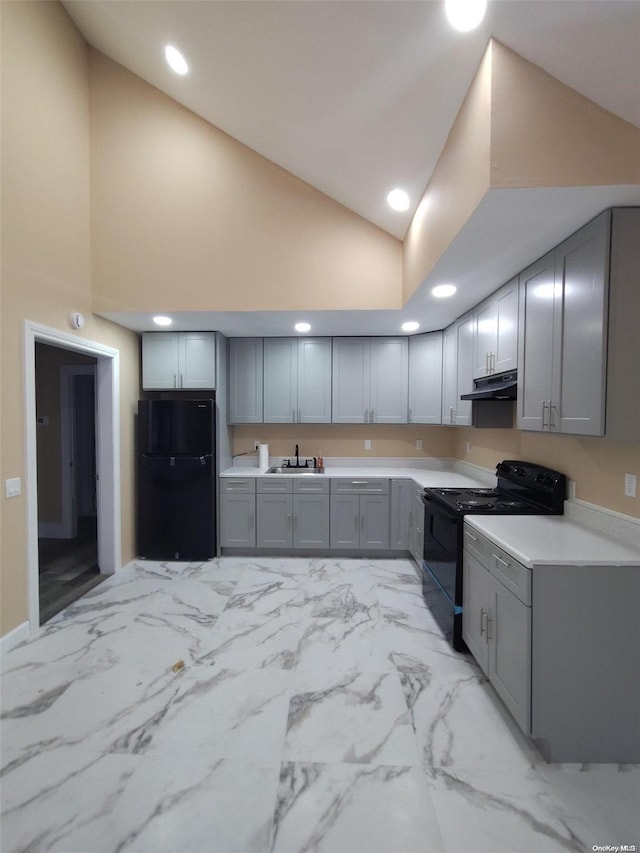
<point x="291" y="469"/>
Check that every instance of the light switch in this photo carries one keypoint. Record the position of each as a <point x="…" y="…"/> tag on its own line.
<point x="367" y="444"/>
<point x="13" y="487"/>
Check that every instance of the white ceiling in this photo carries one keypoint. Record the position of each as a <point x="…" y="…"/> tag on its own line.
<point x="358" y="96"/>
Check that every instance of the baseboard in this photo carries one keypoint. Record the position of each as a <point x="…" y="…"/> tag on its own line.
<point x="14" y="638"/>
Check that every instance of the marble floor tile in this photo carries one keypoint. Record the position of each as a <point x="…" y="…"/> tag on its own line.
<point x="353" y="718"/>
<point x="277" y="705"/>
<point x="337" y="808"/>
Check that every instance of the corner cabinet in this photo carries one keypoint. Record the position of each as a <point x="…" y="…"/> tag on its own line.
<point x="495" y="332"/>
<point x="563" y="335"/>
<point x="297" y="380"/>
<point x="245" y="381"/>
<point x="178" y="360"/>
<point x="370" y="380"/>
<point x="425" y="378"/>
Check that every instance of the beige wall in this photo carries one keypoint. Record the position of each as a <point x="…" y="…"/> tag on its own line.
<point x="186" y="218"/>
<point x="544" y="134"/>
<point x="346" y="440"/>
<point x="45" y="247"/>
<point x="457" y="186"/>
<point x="595" y="464"/>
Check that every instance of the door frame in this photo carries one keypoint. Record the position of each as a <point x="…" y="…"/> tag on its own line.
<point x="107" y="393"/>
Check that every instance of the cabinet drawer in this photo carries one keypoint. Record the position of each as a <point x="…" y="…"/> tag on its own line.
<point x="311" y="486"/>
<point x="360" y="485"/>
<point x="238" y="484"/>
<point x="511" y="573"/>
<point x="476" y="545"/>
<point x="275" y="485"/>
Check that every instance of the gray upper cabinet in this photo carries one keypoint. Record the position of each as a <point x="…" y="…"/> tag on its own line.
<point x="178" y="360"/>
<point x="495" y="332"/>
<point x="563" y="335"/>
<point x="370" y="380"/>
<point x="245" y="380"/>
<point x="297" y="380"/>
<point x="457" y="371"/>
<point x="425" y="378"/>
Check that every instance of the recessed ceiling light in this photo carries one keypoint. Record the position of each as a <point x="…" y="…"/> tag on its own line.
<point x="162" y="321"/>
<point x="465" y="15"/>
<point x="411" y="326"/>
<point x="302" y="327"/>
<point x="398" y="200"/>
<point x="176" y="60"/>
<point x="444" y="290"/>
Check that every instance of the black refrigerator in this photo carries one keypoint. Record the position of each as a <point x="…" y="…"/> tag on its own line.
<point x="176" y="479"/>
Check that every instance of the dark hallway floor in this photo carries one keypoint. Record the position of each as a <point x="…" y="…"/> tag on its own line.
<point x="68" y="568"/>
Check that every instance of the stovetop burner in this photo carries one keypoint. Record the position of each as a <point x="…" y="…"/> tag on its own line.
<point x="523" y="487"/>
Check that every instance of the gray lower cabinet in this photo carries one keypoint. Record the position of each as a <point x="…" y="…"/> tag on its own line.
<point x="237" y="512"/>
<point x="292" y="513"/>
<point x="360" y="513"/>
<point x="416" y="524"/>
<point x="496" y="623"/>
<point x="401" y="497"/>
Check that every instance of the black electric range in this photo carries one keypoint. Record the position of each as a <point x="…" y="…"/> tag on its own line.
<point x="523" y="488"/>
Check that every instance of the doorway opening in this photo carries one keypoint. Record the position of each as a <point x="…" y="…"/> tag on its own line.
<point x="87" y="382"/>
<point x="67" y="474"/>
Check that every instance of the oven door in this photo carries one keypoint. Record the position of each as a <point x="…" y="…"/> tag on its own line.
<point x="442" y="527"/>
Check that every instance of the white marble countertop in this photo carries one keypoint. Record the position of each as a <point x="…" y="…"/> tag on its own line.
<point x="421" y="476"/>
<point x="539" y="540"/>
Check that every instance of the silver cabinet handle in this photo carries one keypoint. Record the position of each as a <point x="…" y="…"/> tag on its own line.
<point x="181" y="381"/>
<point x="299" y="416"/>
<point x="544" y="409"/>
<point x="471" y="536"/>
<point x="289" y="520"/>
<point x="366" y="416"/>
<point x="175" y="380"/>
<point x="410" y="415"/>
<point x="483" y="621"/>
<point x="503" y="562"/>
<point x="551" y="425"/>
<point x="371" y="418"/>
<point x="493" y="362"/>
<point x="487" y="361"/>
<point x="451" y="415"/>
<point x="359" y="482"/>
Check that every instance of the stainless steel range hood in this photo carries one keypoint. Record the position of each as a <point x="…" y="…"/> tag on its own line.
<point x="502" y="386"/>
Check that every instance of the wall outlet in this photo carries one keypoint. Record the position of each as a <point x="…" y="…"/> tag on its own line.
<point x="571" y="489"/>
<point x="13" y="487"/>
<point x="367" y="444"/>
<point x="630" y="485"/>
<point x="468" y="447"/>
<point x="256" y="444"/>
<point x="418" y="444"/>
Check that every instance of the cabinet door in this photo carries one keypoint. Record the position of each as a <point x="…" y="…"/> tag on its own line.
<point x="417" y="521"/>
<point x="280" y="386"/>
<point x="425" y="378"/>
<point x="579" y="376"/>
<point x="510" y="652"/>
<point x="374" y="522"/>
<point x="505" y="353"/>
<point x="351" y="380"/>
<point x="449" y="374"/>
<point x="310" y="521"/>
<point x="536" y="342"/>
<point x="401" y="497"/>
<point x="159" y="360"/>
<point x="465" y="379"/>
<point x="485" y="322"/>
<point x="475" y="612"/>
<point x="389" y="381"/>
<point x="197" y="360"/>
<point x="245" y="380"/>
<point x="237" y="520"/>
<point x="314" y="381"/>
<point x="274" y="520"/>
<point x="345" y="521"/>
